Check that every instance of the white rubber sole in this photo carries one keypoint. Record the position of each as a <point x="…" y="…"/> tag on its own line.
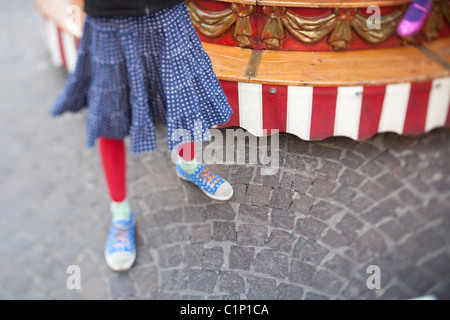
<point x="124" y="266"/>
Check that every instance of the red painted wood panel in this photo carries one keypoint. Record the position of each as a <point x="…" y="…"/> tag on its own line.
<point x="230" y="89"/>
<point x="417" y="108"/>
<point x="372" y="105"/>
<point x="274" y="107"/>
<point x="323" y="113"/>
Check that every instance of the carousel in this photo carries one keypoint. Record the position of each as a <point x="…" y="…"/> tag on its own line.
<point x="314" y="69"/>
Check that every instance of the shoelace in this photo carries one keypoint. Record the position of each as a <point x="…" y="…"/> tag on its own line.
<point x="210" y="177"/>
<point x="121" y="238"/>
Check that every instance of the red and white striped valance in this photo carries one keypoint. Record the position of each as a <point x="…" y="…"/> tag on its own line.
<point x="315" y="113"/>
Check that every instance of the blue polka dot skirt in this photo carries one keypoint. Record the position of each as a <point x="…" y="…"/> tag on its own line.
<point x="132" y="70"/>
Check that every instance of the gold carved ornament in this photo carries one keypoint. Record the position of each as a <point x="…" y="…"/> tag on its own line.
<point x="243" y="30"/>
<point x="215" y="24"/>
<point x="338" y="24"/>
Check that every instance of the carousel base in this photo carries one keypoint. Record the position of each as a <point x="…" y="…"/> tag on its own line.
<point x="315" y="95"/>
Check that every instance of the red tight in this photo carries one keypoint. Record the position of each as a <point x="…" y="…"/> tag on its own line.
<point x="186" y="151"/>
<point x="112" y="154"/>
<point x="113" y="157"/>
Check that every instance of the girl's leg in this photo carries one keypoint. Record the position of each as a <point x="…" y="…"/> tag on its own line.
<point x="120" y="251"/>
<point x="416" y="15"/>
<point x="189" y="169"/>
<point x="112" y="153"/>
<point x="187" y="151"/>
<point x="186" y="157"/>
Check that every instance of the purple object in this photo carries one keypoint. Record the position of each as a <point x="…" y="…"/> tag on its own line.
<point x="415" y="16"/>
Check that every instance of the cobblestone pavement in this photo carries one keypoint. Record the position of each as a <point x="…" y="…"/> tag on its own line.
<point x="310" y="231"/>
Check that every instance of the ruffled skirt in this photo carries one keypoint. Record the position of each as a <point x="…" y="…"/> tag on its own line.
<point x="132" y="70"/>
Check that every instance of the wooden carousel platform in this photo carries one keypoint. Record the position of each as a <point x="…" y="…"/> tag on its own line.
<point x="314" y="69"/>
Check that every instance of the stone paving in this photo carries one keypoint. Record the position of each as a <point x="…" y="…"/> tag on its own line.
<point x="310" y="231"/>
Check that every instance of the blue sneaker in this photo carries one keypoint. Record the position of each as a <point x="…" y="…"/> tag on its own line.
<point x="211" y="184"/>
<point x="120" y="250"/>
